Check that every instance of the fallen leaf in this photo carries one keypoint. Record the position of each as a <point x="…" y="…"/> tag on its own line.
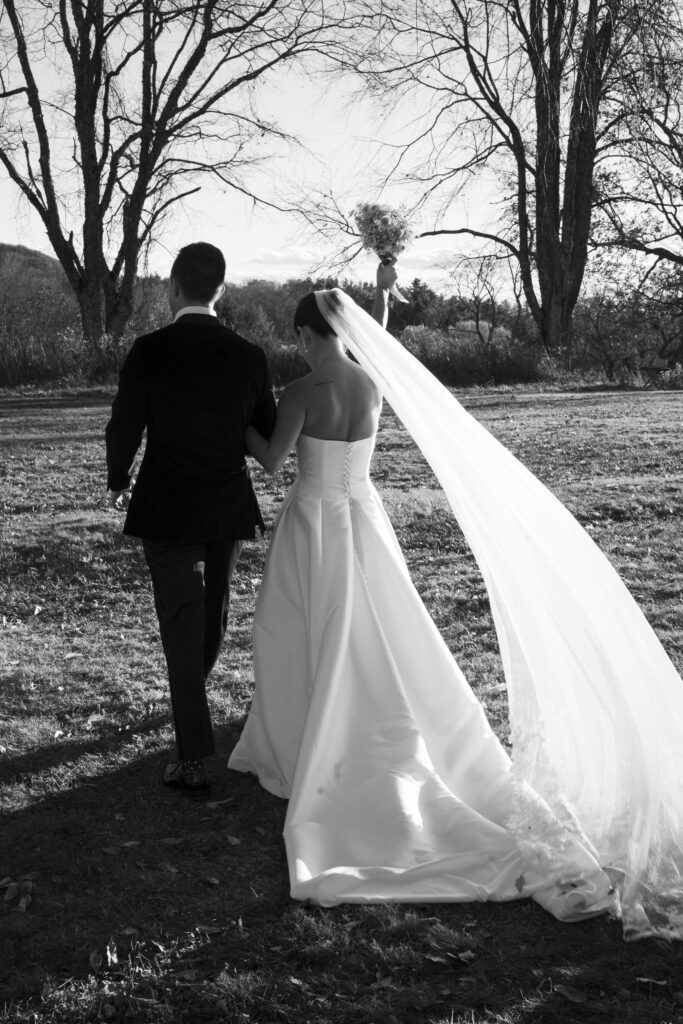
<point x="233" y="840"/>
<point x="209" y="929"/>
<point x="259" y="831"/>
<point x="24" y="902"/>
<point x="95" y="960"/>
<point x="467" y="956"/>
<point x="11" y="892"/>
<point x="73" y="654"/>
<point x="5" y="882"/>
<point x="170" y="867"/>
<point x="212" y="881"/>
<point x="651" y="981"/>
<point x="131" y="842"/>
<point x="171" y="842"/>
<point x="575" y="995"/>
<point x="113" y="850"/>
<point x="436" y="959"/>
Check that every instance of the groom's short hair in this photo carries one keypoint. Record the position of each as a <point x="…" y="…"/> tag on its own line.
<point x="199" y="269"/>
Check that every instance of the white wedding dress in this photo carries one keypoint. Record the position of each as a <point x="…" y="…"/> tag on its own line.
<point x="398" y="789"/>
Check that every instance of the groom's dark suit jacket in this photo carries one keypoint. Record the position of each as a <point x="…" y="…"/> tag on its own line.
<point x="195" y="386"/>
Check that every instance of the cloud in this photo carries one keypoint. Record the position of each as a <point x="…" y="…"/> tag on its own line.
<point x="287" y="262"/>
<point x="274" y="264"/>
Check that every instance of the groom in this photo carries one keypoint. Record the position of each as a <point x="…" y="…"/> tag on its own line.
<point x="195" y="386"/>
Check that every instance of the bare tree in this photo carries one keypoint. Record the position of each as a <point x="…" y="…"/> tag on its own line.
<point x="516" y="87"/>
<point x="639" y="187"/>
<point x="630" y="314"/>
<point x="478" y="284"/>
<point x="112" y="110"/>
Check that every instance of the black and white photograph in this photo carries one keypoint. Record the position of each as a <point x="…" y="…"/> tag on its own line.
<point x="341" y="511"/>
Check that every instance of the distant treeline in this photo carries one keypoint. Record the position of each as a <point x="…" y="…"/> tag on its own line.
<point x="464" y="340"/>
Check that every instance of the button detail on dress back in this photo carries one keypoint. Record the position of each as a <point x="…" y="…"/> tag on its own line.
<point x="347" y="469"/>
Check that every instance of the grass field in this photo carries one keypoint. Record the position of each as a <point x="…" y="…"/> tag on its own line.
<point x="123" y="901"/>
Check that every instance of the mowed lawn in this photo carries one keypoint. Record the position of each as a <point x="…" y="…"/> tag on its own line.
<point x="120" y="900"/>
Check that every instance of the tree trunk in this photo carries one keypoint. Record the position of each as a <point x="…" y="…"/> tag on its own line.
<point x="119" y="311"/>
<point x="556" y="325"/>
<point x="92" y="306"/>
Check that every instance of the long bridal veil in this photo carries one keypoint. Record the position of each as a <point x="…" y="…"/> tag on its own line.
<point x="596" y="706"/>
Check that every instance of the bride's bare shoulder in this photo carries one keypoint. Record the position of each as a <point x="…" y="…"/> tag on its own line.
<point x="366" y="381"/>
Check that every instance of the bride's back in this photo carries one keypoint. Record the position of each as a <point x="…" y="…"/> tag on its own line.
<point x="341" y="402"/>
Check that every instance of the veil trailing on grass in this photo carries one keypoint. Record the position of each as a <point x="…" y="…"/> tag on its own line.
<point x="596" y="706"/>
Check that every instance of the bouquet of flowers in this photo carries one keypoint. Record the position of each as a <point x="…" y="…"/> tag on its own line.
<point x="385" y="230"/>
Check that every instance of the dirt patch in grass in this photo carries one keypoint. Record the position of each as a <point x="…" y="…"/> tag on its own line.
<point x="124" y="901"/>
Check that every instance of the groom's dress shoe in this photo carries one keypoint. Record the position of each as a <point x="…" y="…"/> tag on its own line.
<point x="189" y="776"/>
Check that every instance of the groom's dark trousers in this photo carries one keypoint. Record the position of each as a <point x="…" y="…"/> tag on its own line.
<point x="194" y="386"/>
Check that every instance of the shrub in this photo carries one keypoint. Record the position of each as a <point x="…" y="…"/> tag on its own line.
<point x="459" y="357"/>
<point x="60" y="356"/>
<point x="669" y="380"/>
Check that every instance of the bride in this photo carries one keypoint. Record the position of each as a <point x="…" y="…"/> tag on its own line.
<point x="398" y="788"/>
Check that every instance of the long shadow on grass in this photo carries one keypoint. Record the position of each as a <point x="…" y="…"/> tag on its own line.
<point x="176" y="908"/>
<point x="112" y="852"/>
<point x="24" y="766"/>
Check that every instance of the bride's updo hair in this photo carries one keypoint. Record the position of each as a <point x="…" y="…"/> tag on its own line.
<point x="308" y="315"/>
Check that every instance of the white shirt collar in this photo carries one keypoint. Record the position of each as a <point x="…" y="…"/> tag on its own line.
<point x="205" y="310"/>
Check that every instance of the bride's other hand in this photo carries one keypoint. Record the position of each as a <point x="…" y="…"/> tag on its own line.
<point x="119" y="500"/>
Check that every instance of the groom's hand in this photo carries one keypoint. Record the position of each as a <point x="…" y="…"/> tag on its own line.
<point x="119" y="500"/>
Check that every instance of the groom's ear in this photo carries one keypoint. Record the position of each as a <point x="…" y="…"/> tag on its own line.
<point x="219" y="294"/>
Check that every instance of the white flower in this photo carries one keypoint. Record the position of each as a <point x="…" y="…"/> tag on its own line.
<point x="384" y="229"/>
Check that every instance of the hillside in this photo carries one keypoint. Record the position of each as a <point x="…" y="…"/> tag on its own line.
<point x="18" y="263"/>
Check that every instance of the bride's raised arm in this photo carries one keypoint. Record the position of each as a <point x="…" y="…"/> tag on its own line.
<point x="386" y="278"/>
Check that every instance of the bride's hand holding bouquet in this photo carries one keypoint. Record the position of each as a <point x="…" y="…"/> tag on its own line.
<point x="387" y="276"/>
<point x="385" y="231"/>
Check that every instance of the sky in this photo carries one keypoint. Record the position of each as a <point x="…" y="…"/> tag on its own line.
<point x="343" y="139"/>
